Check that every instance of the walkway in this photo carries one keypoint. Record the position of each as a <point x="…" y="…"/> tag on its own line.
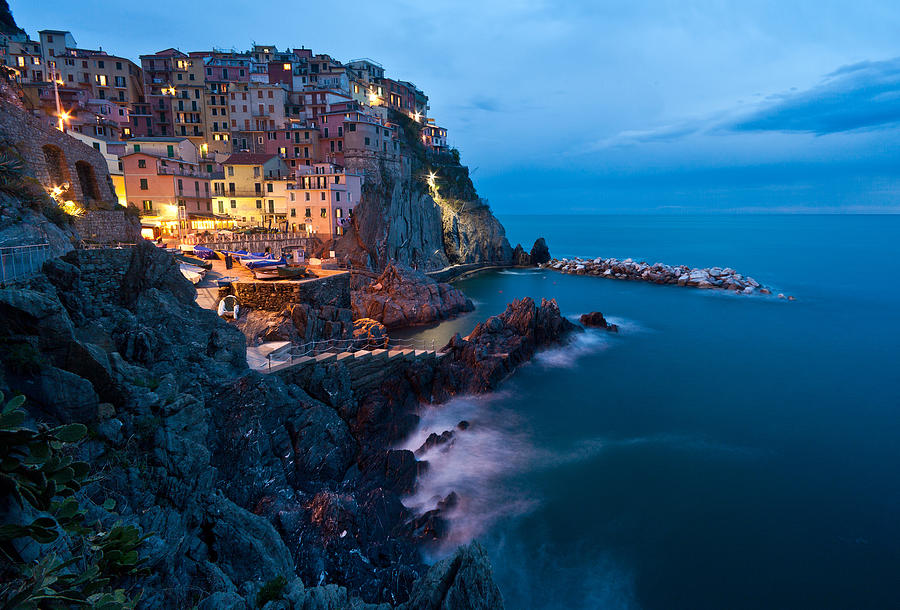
<point x="278" y="356"/>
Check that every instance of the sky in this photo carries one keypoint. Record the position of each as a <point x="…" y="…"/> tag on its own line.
<point x="596" y="106"/>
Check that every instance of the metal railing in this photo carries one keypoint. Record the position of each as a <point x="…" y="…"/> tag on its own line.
<point x="337" y="346"/>
<point x="17" y="262"/>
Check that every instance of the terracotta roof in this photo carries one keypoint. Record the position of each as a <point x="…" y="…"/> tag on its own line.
<point x="248" y="158"/>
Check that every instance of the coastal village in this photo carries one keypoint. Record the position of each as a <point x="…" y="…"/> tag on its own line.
<point x="263" y="140"/>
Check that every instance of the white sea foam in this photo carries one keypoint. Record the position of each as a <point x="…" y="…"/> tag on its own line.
<point x="478" y="465"/>
<point x="591" y="341"/>
<point x="522" y="272"/>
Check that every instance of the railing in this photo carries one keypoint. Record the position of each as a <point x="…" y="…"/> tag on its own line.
<point x="336" y="346"/>
<point x="22" y="261"/>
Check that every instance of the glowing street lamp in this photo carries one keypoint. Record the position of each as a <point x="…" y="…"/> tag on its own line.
<point x="63" y="118"/>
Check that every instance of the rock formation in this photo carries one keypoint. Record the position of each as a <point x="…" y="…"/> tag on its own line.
<point x="240" y="477"/>
<point x="400" y="219"/>
<point x="595" y="319"/>
<point x="498" y="345"/>
<point x="540" y="253"/>
<point x="403" y="297"/>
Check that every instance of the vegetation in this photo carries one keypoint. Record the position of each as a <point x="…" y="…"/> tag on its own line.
<point x="17" y="184"/>
<point x="271" y="591"/>
<point x="50" y="555"/>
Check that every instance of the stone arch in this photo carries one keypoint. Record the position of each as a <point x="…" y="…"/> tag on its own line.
<point x="57" y="168"/>
<point x="87" y="178"/>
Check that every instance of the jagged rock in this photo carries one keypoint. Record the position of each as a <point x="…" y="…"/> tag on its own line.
<point x="407" y="298"/>
<point x="461" y="582"/>
<point x="246" y="546"/>
<point x="369" y="333"/>
<point x="498" y="345"/>
<point x="540" y="253"/>
<point x="434" y="439"/>
<point x="596" y="320"/>
<point x="323" y="446"/>
<point x="520" y="257"/>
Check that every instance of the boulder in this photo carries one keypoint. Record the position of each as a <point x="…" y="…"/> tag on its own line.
<point x="407" y="298"/>
<point x="463" y="581"/>
<point x="540" y="253"/>
<point x="595" y="319"/>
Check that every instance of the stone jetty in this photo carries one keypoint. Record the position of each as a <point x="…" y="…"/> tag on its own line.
<point x="717" y="278"/>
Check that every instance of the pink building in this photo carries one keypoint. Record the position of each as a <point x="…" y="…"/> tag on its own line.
<point x="322" y="199"/>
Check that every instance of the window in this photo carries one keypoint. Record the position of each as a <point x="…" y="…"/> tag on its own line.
<point x="269" y="187"/>
<point x="144" y="185"/>
<point x="338" y="213"/>
<point x="367" y="141"/>
<point x="101" y="80"/>
<point x="221" y="207"/>
<point x="307" y="196"/>
<point x="322" y="195"/>
<point x="293" y="212"/>
<point x="271" y="206"/>
<point x="170" y="151"/>
<point x="101" y="64"/>
<point x="323" y="212"/>
<point x="337" y="197"/>
<point x="308" y="212"/>
<point x="233" y="204"/>
<point x="142" y="163"/>
<point x="231" y="171"/>
<point x="259" y="204"/>
<point x="148" y="205"/>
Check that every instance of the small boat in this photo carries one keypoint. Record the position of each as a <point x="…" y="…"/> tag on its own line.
<point x="205" y="253"/>
<point x="226" y="281"/>
<point x="229" y="306"/>
<point x="193" y="273"/>
<point x="263" y="262"/>
<point x="279" y="273"/>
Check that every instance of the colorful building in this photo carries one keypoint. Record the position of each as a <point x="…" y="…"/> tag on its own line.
<point x="322" y="199"/>
<point x="247" y="190"/>
<point x="170" y="186"/>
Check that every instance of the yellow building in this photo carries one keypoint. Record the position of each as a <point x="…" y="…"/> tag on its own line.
<point x="252" y="191"/>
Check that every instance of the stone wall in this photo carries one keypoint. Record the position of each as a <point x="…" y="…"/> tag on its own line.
<point x="57" y="159"/>
<point x="274" y="296"/>
<point x="108" y="227"/>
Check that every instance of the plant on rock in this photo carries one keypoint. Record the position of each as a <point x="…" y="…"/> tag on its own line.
<point x="50" y="556"/>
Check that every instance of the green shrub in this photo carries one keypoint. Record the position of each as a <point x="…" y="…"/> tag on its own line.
<point x="271" y="591"/>
<point x="38" y="473"/>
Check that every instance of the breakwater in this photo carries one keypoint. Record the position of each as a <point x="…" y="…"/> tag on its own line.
<point x="717" y="278"/>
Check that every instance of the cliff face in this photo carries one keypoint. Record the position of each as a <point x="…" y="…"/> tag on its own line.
<point x="238" y="478"/>
<point x="403" y="218"/>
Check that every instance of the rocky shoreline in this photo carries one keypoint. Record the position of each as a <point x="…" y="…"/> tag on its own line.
<point x="712" y="278"/>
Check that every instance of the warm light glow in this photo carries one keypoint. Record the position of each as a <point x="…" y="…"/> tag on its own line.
<point x="417" y="116"/>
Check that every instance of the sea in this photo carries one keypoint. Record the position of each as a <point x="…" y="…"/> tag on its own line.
<point x="720" y="451"/>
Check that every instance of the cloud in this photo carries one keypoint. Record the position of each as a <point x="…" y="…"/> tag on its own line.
<point x="485" y="103"/>
<point x="864" y="95"/>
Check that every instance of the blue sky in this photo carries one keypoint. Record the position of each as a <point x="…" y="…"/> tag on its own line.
<point x="674" y="106"/>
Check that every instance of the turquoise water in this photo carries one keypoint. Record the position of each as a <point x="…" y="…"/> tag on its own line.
<point x="720" y="451"/>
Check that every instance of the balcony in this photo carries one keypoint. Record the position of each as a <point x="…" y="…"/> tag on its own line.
<point x="245" y="193"/>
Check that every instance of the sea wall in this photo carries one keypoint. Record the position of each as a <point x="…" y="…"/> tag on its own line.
<point x="716" y="278"/>
<point x="332" y="290"/>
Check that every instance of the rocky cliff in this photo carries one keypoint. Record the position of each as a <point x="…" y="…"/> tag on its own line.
<point x="240" y="480"/>
<point x="424" y="223"/>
